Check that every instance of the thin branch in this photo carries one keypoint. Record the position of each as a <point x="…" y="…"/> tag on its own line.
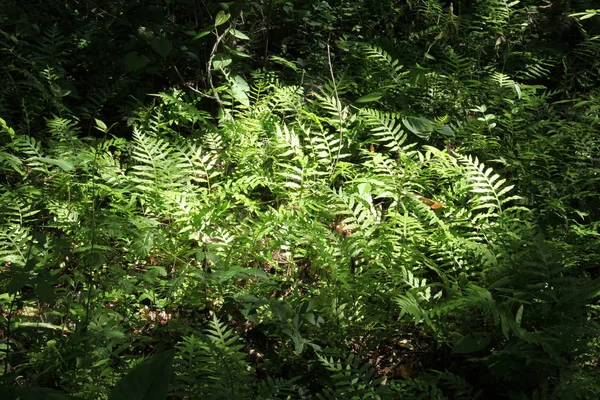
<point x="192" y="88"/>
<point x="338" y="107"/>
<point x="213" y="53"/>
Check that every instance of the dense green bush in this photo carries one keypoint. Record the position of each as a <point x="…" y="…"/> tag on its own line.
<point x="342" y="199"/>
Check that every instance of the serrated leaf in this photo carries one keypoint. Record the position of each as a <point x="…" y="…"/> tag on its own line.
<point x="45" y="292"/>
<point x="505" y="190"/>
<point x="17" y="282"/>
<point x="488" y="205"/>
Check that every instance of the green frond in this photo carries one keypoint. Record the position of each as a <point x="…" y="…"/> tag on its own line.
<point x="388" y="63"/>
<point x="212" y="366"/>
<point x="386" y="128"/>
<point x="349" y="378"/>
<point x="489" y="190"/>
<point x="62" y="129"/>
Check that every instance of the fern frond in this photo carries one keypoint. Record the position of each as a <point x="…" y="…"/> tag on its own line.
<point x="14" y="241"/>
<point x="350" y="379"/>
<point x="199" y="164"/>
<point x="387" y="128"/>
<point x="212" y="367"/>
<point x="62" y="129"/>
<point x="391" y="65"/>
<point x="488" y="188"/>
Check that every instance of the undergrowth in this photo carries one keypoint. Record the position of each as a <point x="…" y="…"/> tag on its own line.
<point x="407" y="224"/>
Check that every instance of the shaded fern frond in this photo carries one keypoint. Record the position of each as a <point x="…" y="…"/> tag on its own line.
<point x="213" y="366"/>
<point x="350" y="379"/>
<point x="391" y="65"/>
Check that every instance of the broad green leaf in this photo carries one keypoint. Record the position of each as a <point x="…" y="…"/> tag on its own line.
<point x="370" y="97"/>
<point x="203" y="33"/>
<point x="161" y="45"/>
<point x="101" y="125"/>
<point x="445" y="130"/>
<point x="519" y="315"/>
<point x="471" y="343"/>
<point x="147" y="381"/>
<point x="239" y="88"/>
<point x="422" y="127"/>
<point x="244" y="273"/>
<point x="64" y="165"/>
<point x="17" y="282"/>
<point x="241" y="84"/>
<point x="238" y="34"/>
<point x="221" y="18"/>
<point x="221" y="61"/>
<point x="240" y="53"/>
<point x="134" y="61"/>
<point x="45" y="291"/>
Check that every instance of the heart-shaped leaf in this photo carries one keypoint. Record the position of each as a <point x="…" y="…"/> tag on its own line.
<point x="161" y="45"/>
<point x="221" y="18"/>
<point x="221" y="61"/>
<point x="134" y="61"/>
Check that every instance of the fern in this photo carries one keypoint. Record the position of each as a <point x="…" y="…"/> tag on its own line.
<point x="201" y="165"/>
<point x="390" y="65"/>
<point x="488" y="188"/>
<point x="213" y="366"/>
<point x="349" y="378"/>
<point x="386" y="128"/>
<point x="157" y="174"/>
<point x="15" y="241"/>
